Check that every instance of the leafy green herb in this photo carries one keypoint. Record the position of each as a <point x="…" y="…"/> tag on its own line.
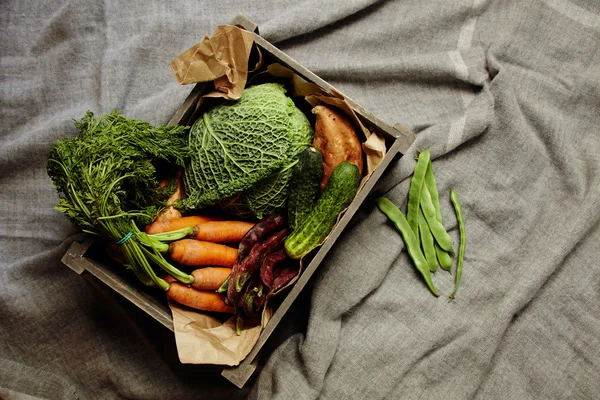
<point x="106" y="177"/>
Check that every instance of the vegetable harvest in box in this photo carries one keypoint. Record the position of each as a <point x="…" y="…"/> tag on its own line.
<point x="221" y="215"/>
<point x="218" y="214"/>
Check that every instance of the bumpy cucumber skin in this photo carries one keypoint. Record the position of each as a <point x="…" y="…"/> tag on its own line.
<point x="304" y="186"/>
<point x="337" y="195"/>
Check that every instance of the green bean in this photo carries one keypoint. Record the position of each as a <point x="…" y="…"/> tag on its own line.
<point x="436" y="227"/>
<point x="463" y="239"/>
<point x="418" y="231"/>
<point x="410" y="239"/>
<point x="416" y="187"/>
<point x="430" y="183"/>
<point x="427" y="243"/>
<point x="443" y="258"/>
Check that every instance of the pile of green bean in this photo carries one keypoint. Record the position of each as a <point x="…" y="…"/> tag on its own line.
<point x="426" y="240"/>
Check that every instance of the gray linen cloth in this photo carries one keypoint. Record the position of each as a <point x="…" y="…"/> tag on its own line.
<point x="506" y="96"/>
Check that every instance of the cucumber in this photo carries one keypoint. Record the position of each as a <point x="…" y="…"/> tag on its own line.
<point x="304" y="186"/>
<point x="337" y="195"/>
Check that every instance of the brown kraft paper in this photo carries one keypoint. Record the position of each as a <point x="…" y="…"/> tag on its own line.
<point x="222" y="58"/>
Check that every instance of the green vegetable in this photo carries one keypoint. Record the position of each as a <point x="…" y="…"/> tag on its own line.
<point x="431" y="185"/>
<point x="304" y="186"/>
<point x="437" y="229"/>
<point x="427" y="242"/>
<point x="106" y="180"/>
<point x="463" y="239"/>
<point x="271" y="194"/>
<point x="237" y="144"/>
<point x="416" y="188"/>
<point x="410" y="239"/>
<point x="443" y="257"/>
<point x="337" y="195"/>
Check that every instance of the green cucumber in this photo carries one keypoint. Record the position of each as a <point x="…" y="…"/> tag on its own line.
<point x="337" y="195"/>
<point x="304" y="186"/>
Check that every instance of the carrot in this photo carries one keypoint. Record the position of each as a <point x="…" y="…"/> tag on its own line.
<point x="177" y="223"/>
<point x="222" y="231"/>
<point x="209" y="231"/>
<point x="198" y="253"/>
<point x="199" y="299"/>
<point x="210" y="278"/>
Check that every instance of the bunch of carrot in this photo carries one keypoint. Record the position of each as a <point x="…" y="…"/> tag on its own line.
<point x="241" y="263"/>
<point x="199" y="241"/>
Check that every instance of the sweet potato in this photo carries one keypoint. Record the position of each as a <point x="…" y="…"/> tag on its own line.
<point x="337" y="139"/>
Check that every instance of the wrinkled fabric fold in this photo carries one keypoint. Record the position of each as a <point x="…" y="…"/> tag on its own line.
<point x="505" y="96"/>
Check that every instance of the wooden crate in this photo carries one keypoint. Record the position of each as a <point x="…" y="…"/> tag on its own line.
<point x="89" y="255"/>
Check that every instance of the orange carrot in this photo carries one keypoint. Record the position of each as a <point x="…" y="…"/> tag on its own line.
<point x="198" y="253"/>
<point x="169" y="279"/>
<point x="210" y="278"/>
<point x="177" y="223"/>
<point x="199" y="299"/>
<point x="222" y="231"/>
<point x="207" y="278"/>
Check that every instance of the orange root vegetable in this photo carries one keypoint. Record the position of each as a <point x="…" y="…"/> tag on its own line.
<point x="337" y="139"/>
<point x="170" y="212"/>
<point x="177" y="223"/>
<point x="222" y="231"/>
<point x="167" y="214"/>
<point x="210" y="278"/>
<point x="199" y="299"/>
<point x="197" y="253"/>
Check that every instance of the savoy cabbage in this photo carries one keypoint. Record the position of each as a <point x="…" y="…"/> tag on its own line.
<point x="270" y="194"/>
<point x="244" y="150"/>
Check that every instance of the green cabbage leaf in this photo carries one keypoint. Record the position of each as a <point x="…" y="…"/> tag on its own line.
<point x="243" y="151"/>
<point x="270" y="194"/>
<point x="236" y="144"/>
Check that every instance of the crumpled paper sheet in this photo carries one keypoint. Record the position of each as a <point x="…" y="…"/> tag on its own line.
<point x="295" y="85"/>
<point x="202" y="339"/>
<point x="222" y="58"/>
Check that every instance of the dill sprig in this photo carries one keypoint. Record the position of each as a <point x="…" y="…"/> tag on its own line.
<point x="106" y="177"/>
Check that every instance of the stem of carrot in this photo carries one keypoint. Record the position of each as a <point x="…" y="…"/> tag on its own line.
<point x="173" y="235"/>
<point x="167" y="267"/>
